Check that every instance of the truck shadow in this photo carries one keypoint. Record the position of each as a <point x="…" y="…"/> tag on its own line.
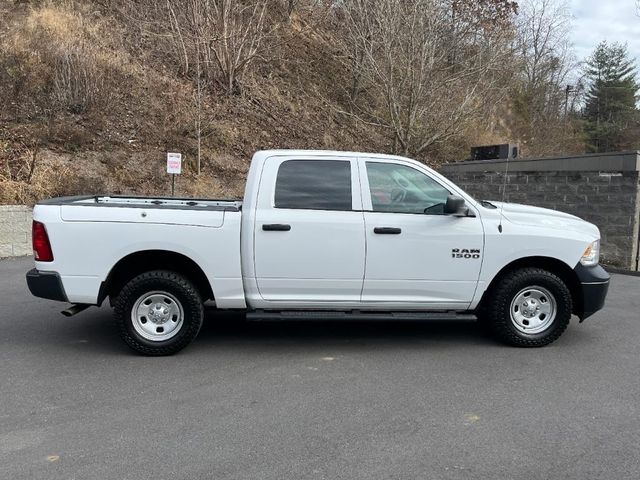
<point x="224" y="332"/>
<point x="94" y="330"/>
<point x="234" y="328"/>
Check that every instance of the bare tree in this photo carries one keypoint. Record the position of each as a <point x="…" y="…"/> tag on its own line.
<point x="224" y="36"/>
<point x="545" y="90"/>
<point x="77" y="81"/>
<point x="215" y="41"/>
<point x="543" y="43"/>
<point x="429" y="86"/>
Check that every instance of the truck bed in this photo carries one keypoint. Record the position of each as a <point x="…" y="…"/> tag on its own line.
<point x="147" y="202"/>
<point x="90" y="235"/>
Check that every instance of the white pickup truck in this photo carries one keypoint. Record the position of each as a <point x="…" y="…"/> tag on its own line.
<point x="319" y="234"/>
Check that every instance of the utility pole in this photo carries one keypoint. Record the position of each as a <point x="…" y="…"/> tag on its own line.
<point x="567" y="91"/>
<point x="198" y="103"/>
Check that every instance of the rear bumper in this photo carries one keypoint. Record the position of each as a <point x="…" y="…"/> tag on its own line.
<point x="594" y="282"/>
<point x="46" y="285"/>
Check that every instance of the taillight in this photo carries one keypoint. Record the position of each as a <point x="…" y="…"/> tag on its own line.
<point x="40" y="241"/>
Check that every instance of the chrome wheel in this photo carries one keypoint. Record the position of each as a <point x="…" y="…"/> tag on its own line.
<point x="533" y="310"/>
<point x="157" y="316"/>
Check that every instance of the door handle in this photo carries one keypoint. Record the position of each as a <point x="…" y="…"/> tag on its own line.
<point x="387" y="230"/>
<point x="276" y="227"/>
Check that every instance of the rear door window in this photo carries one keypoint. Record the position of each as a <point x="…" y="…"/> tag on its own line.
<point x="314" y="185"/>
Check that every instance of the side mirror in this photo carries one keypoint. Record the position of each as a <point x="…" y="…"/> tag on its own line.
<point x="455" y="206"/>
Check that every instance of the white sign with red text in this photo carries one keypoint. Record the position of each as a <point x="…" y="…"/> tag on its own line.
<point x="174" y="163"/>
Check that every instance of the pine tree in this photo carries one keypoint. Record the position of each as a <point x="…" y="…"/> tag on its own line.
<point x="611" y="116"/>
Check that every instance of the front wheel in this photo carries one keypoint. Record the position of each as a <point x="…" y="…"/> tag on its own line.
<point x="158" y="313"/>
<point x="530" y="307"/>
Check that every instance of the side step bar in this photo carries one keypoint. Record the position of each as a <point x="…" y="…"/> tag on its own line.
<point x="353" y="315"/>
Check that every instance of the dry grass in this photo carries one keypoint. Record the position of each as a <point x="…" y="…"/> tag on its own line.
<point x="47" y="181"/>
<point x="96" y="95"/>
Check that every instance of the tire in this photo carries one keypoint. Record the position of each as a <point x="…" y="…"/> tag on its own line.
<point x="530" y="307"/>
<point x="158" y="313"/>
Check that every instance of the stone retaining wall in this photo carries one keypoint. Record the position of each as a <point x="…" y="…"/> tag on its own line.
<point x="602" y="189"/>
<point x="15" y="231"/>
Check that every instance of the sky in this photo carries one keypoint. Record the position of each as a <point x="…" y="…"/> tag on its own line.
<point x="611" y="20"/>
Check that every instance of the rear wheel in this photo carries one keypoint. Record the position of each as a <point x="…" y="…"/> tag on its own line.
<point x="158" y="312"/>
<point x="530" y="307"/>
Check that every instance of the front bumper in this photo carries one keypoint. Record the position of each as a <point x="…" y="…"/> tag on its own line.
<point x="594" y="282"/>
<point x="46" y="285"/>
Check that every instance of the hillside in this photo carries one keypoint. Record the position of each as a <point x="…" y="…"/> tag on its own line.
<point x="94" y="93"/>
<point x="141" y="109"/>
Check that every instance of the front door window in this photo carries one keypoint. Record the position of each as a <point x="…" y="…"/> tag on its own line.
<point x="398" y="188"/>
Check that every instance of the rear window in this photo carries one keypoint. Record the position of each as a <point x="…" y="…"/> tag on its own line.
<point x="314" y="185"/>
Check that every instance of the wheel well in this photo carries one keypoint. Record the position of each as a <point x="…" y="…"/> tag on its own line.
<point x="139" y="262"/>
<point x="553" y="265"/>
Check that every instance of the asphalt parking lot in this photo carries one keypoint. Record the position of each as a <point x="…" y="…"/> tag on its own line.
<point x="430" y="400"/>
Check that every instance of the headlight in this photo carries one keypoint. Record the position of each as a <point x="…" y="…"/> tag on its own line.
<point x="591" y="255"/>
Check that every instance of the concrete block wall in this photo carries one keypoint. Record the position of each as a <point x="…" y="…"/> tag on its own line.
<point x="15" y="231"/>
<point x="603" y="190"/>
